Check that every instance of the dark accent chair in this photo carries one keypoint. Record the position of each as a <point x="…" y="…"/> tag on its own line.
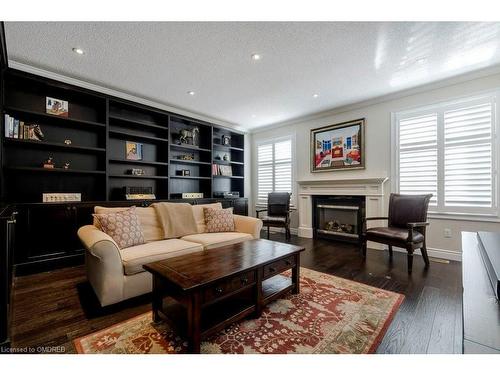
<point x="407" y="222"/>
<point x="278" y="212"/>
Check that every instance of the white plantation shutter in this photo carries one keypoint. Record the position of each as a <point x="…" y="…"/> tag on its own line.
<point x="274" y="168"/>
<point x="418" y="156"/>
<point x="264" y="172"/>
<point x="468" y="156"/>
<point x="449" y="150"/>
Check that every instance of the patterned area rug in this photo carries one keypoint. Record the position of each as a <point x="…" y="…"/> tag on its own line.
<point x="330" y="315"/>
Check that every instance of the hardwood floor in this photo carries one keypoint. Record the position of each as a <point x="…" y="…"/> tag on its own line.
<point x="53" y="308"/>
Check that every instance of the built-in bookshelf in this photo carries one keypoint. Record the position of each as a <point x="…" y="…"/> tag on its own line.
<point x="228" y="160"/>
<point x="191" y="158"/>
<point x="106" y="144"/>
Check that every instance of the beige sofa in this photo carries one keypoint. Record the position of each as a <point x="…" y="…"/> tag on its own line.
<point x="117" y="274"/>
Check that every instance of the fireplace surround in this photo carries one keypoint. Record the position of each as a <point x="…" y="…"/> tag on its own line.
<point x="371" y="188"/>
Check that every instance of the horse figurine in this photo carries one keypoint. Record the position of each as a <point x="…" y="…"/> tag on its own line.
<point x="193" y="135"/>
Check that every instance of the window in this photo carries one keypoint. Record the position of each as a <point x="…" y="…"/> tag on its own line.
<point x="274" y="168"/>
<point x="449" y="150"/>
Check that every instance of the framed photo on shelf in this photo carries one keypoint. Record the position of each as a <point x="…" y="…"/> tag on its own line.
<point x="338" y="146"/>
<point x="56" y="107"/>
<point x="133" y="151"/>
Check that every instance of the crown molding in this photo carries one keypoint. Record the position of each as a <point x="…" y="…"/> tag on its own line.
<point x="384" y="98"/>
<point x="120" y="94"/>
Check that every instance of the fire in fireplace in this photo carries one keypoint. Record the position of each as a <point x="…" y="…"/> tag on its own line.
<point x="338" y="217"/>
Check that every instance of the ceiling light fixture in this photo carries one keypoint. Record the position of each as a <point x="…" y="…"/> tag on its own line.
<point x="78" y="51"/>
<point x="315" y="96"/>
<point x="192" y="93"/>
<point x="256" y="56"/>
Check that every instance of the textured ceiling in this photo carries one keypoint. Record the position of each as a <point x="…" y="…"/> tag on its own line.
<point x="342" y="62"/>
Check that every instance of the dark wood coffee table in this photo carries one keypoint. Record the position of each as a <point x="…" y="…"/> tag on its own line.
<point x="214" y="288"/>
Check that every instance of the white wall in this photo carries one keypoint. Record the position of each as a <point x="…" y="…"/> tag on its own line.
<point x="378" y="151"/>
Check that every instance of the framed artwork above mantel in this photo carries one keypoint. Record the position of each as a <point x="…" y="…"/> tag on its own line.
<point x="338" y="147"/>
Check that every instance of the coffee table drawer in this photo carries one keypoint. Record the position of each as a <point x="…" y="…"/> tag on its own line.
<point x="279" y="266"/>
<point x="228" y="286"/>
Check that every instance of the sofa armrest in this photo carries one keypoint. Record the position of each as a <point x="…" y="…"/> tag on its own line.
<point x="103" y="264"/>
<point x="94" y="241"/>
<point x="247" y="224"/>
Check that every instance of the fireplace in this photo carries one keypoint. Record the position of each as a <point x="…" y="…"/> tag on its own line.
<point x="338" y="217"/>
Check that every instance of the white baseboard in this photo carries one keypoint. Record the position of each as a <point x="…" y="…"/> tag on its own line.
<point x="305" y="232"/>
<point x="433" y="252"/>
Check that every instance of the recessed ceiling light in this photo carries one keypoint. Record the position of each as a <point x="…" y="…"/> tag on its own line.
<point x="192" y="93"/>
<point x="315" y="96"/>
<point x="256" y="56"/>
<point x="78" y="51"/>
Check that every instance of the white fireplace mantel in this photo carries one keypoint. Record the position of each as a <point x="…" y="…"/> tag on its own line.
<point x="371" y="188"/>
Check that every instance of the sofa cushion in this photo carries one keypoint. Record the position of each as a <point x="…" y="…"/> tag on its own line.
<point x="124" y="227"/>
<point x="150" y="225"/>
<point x="133" y="258"/>
<point x="219" y="220"/>
<point x="213" y="240"/>
<point x="199" y="215"/>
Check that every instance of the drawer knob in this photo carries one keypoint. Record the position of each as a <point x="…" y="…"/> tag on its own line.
<point x="272" y="269"/>
<point x="288" y="262"/>
<point x="219" y="290"/>
<point x="244" y="280"/>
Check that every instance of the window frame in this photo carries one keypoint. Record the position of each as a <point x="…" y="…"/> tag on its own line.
<point x="290" y="137"/>
<point x="441" y="211"/>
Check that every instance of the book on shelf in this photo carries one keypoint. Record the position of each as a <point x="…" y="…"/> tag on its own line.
<point x="14" y="128"/>
<point x="222" y="170"/>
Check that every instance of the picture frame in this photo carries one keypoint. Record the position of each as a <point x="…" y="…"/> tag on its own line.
<point x="133" y="150"/>
<point x="226" y="140"/>
<point x="338" y="146"/>
<point x="56" y="107"/>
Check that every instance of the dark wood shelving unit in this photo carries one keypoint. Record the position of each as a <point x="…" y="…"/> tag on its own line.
<point x="52" y="145"/>
<point x="200" y="176"/>
<point x="180" y="161"/>
<point x="53" y="170"/>
<point x="139" y="123"/>
<point x="220" y="176"/>
<point x="66" y="121"/>
<point x="225" y="162"/>
<point x="191" y="177"/>
<point x="129" y="122"/>
<point x="123" y="134"/>
<point x="189" y="148"/>
<point x="146" y="177"/>
<point x="99" y="127"/>
<point x="227" y="148"/>
<point x="144" y="162"/>
<point x="234" y="153"/>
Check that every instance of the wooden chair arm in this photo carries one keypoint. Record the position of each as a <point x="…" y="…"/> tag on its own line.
<point x="411" y="228"/>
<point x="259" y="211"/>
<point x="415" y="225"/>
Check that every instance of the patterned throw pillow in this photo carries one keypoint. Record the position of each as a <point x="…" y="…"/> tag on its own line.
<point x="219" y="220"/>
<point x="123" y="227"/>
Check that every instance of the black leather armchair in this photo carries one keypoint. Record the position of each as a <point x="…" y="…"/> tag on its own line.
<point x="278" y="212"/>
<point x="407" y="222"/>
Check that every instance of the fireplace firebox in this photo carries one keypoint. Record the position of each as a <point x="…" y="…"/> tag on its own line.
<point x="338" y="217"/>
